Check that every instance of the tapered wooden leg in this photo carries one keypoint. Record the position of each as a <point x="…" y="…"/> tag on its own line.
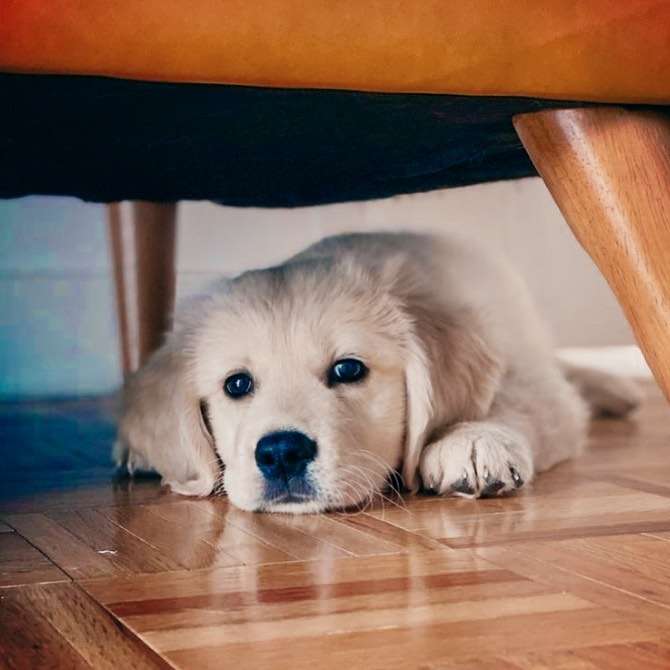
<point x="142" y="240"/>
<point x="609" y="171"/>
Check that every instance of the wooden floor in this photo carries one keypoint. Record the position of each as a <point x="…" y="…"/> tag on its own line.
<point x="571" y="574"/>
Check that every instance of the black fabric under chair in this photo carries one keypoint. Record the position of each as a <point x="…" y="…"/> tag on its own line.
<point x="104" y="140"/>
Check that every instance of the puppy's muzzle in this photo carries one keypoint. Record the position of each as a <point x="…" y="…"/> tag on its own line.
<point x="283" y="456"/>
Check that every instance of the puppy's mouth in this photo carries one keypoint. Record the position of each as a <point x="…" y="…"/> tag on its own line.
<point x="292" y="503"/>
<point x="290" y="498"/>
<point x="301" y="495"/>
<point x="294" y="490"/>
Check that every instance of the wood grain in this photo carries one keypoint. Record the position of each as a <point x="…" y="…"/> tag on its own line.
<point x="209" y="516"/>
<point x="634" y="564"/>
<point x="609" y="172"/>
<point x="59" y="626"/>
<point x="28" y="640"/>
<point x="21" y="563"/>
<point x="73" y="556"/>
<point x="190" y="546"/>
<point x="426" y="645"/>
<point x="116" y="493"/>
<point x="524" y="560"/>
<point x="126" y="551"/>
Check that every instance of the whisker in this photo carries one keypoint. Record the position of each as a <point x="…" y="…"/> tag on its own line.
<point x="357" y="501"/>
<point x="371" y="489"/>
<point x="366" y="478"/>
<point x="401" y="506"/>
<point x="361" y="492"/>
<point x="388" y="471"/>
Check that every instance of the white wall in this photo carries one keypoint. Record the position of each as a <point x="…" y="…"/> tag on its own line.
<point x="57" y="326"/>
<point x="519" y="218"/>
<point x="57" y="321"/>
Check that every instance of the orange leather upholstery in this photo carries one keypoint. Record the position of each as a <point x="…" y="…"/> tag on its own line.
<point x="592" y="50"/>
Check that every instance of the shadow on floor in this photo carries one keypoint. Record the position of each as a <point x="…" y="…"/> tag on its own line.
<point x="55" y="444"/>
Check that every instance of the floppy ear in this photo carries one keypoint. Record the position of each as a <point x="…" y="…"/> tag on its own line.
<point x="162" y="425"/>
<point x="451" y="375"/>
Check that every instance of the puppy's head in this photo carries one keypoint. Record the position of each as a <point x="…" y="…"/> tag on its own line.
<point x="303" y="375"/>
<point x="319" y="379"/>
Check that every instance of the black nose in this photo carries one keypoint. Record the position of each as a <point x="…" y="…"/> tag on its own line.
<point x="284" y="454"/>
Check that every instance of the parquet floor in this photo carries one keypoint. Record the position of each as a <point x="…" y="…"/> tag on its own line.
<point x="573" y="573"/>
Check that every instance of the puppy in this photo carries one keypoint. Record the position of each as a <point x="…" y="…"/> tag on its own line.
<point x="303" y="387"/>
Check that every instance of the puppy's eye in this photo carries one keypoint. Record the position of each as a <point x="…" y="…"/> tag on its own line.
<point x="346" y="371"/>
<point x="238" y="385"/>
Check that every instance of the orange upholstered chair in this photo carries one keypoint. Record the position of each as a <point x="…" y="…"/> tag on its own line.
<point x="285" y="102"/>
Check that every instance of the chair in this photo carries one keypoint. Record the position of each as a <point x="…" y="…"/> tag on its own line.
<point x="281" y="103"/>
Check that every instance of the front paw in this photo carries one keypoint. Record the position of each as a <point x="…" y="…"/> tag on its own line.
<point x="477" y="460"/>
<point x="129" y="460"/>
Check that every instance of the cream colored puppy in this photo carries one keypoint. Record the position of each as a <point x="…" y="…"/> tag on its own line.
<point x="302" y="387"/>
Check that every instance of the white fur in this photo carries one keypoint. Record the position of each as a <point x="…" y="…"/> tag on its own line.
<point x="464" y="392"/>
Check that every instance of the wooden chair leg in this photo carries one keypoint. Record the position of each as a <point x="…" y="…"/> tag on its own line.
<point x="608" y="170"/>
<point x="142" y="240"/>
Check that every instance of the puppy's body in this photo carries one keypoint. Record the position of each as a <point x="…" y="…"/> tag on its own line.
<point x="463" y="390"/>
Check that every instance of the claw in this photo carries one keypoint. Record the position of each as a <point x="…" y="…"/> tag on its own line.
<point x="492" y="488"/>
<point x="430" y="487"/>
<point x="516" y="477"/>
<point x="463" y="485"/>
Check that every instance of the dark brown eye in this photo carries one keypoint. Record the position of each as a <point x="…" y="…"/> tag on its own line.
<point x="238" y="385"/>
<point x="346" y="371"/>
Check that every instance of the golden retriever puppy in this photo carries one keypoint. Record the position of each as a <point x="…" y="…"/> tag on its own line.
<point x="302" y="387"/>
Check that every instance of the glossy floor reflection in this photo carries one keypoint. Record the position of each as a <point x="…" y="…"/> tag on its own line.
<point x="572" y="573"/>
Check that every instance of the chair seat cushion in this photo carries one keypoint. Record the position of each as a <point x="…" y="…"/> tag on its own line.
<point x="591" y="50"/>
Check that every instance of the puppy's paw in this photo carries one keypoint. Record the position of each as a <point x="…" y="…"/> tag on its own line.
<point x="477" y="460"/>
<point x="130" y="460"/>
<point x="607" y="394"/>
<point x="612" y="396"/>
<point x="197" y="488"/>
